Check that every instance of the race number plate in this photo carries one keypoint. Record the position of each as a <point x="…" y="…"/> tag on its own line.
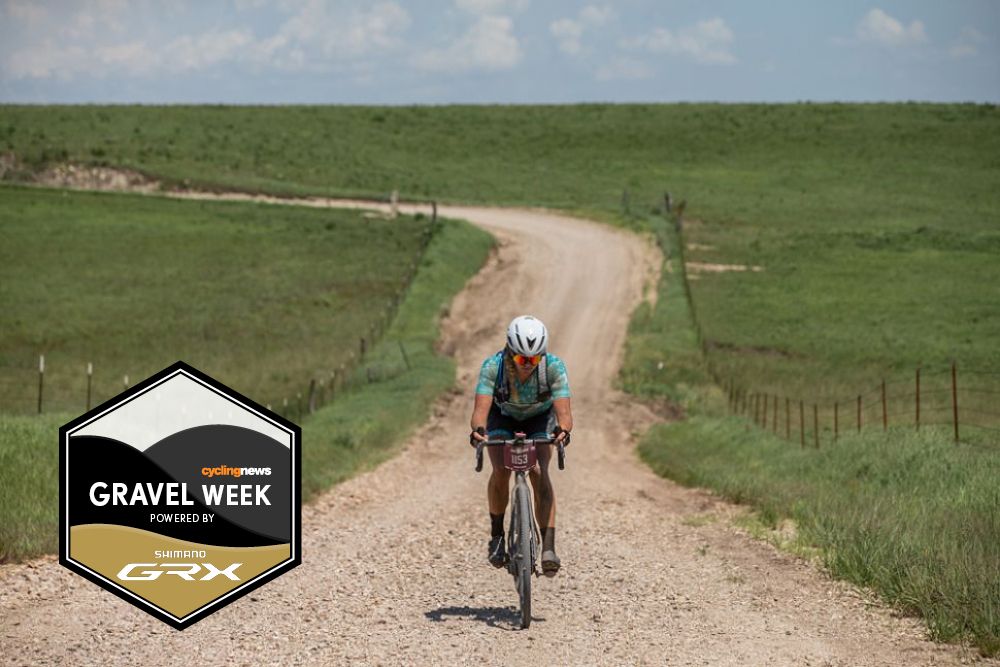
<point x="519" y="458"/>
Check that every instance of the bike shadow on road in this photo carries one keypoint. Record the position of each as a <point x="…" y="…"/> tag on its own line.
<point x="505" y="618"/>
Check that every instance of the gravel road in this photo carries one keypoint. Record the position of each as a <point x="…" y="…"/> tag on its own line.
<point x="394" y="565"/>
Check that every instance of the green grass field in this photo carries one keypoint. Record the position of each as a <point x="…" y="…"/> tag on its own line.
<point x="262" y="297"/>
<point x="877" y="225"/>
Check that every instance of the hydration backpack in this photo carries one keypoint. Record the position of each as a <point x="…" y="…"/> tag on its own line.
<point x="501" y="390"/>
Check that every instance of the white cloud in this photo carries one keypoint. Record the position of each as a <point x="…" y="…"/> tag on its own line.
<point x="593" y="15"/>
<point x="967" y="44"/>
<point x="27" y="12"/>
<point x="208" y="49"/>
<point x="133" y="57"/>
<point x="880" y="28"/>
<point x="706" y="42"/>
<point x="44" y="62"/>
<point x="489" y="44"/>
<point x="492" y="6"/>
<point x="569" y="32"/>
<point x="624" y="68"/>
<point x="317" y="34"/>
<point x="356" y="33"/>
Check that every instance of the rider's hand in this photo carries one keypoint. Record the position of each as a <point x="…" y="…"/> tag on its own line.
<point x="562" y="435"/>
<point x="477" y="436"/>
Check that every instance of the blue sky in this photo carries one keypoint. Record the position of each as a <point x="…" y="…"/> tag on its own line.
<point x="497" y="51"/>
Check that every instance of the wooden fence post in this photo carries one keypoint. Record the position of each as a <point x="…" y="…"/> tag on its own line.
<point x="859" y="413"/>
<point x="918" y="398"/>
<point x="816" y="424"/>
<point x="774" y="416"/>
<point x="802" y="423"/>
<point x="836" y="425"/>
<point x="764" y="416"/>
<point x="788" y="418"/>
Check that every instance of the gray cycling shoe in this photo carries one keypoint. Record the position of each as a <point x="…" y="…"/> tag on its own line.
<point x="497" y="551"/>
<point x="550" y="563"/>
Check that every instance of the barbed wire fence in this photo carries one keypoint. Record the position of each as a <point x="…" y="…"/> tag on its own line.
<point x="953" y="398"/>
<point x="27" y="387"/>
<point x="959" y="399"/>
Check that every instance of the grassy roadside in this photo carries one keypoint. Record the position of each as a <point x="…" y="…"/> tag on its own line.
<point x="366" y="426"/>
<point x="362" y="427"/>
<point x="910" y="515"/>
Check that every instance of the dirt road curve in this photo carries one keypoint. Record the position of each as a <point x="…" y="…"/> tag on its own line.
<point x="394" y="568"/>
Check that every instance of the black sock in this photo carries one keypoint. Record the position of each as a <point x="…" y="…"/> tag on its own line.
<point x="496" y="524"/>
<point x="549" y="539"/>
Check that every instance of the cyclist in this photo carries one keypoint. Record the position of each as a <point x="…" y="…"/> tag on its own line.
<point x="524" y="389"/>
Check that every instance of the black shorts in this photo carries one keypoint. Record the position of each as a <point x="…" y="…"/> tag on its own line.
<point x="498" y="424"/>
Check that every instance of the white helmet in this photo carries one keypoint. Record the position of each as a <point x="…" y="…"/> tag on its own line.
<point x="527" y="335"/>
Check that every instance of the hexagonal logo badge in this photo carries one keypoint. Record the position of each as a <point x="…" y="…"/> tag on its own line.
<point x="180" y="495"/>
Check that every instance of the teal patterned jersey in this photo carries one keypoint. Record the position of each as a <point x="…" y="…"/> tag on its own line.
<point x="524" y="401"/>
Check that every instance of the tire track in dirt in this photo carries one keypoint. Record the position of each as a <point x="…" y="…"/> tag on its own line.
<point x="394" y="569"/>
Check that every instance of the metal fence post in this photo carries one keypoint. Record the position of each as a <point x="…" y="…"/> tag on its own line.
<point x="90" y="378"/>
<point x="41" y="377"/>
<point x="885" y="412"/>
<point x="954" y="398"/>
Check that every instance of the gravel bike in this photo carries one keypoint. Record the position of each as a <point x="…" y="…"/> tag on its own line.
<point x="520" y="456"/>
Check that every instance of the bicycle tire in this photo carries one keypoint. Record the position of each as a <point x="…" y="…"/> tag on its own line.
<point x="524" y="565"/>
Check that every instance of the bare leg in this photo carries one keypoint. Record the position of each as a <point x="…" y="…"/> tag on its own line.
<point x="498" y="489"/>
<point x="541" y="484"/>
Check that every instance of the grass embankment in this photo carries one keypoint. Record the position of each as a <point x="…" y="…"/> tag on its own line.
<point x="247" y="274"/>
<point x="910" y="515"/>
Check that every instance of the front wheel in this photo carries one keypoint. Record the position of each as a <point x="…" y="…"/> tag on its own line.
<point x="523" y="553"/>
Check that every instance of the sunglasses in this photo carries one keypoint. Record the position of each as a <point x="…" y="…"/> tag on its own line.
<point x="523" y="360"/>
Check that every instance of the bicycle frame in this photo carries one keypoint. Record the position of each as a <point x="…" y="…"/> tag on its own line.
<point x="520" y="456"/>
